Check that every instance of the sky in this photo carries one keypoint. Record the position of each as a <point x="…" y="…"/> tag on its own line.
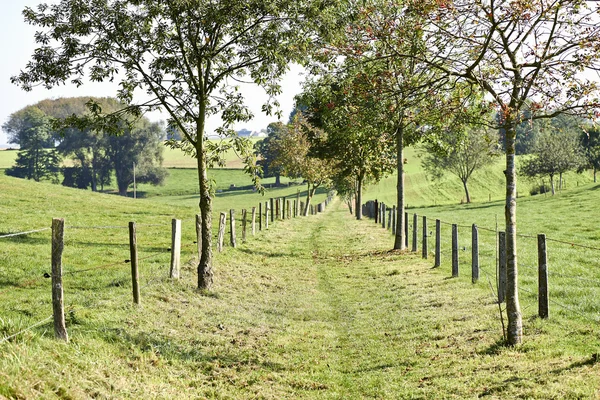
<point x="17" y="46"/>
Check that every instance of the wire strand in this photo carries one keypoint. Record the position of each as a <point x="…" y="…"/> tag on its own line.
<point x="7" y="338"/>
<point x="24" y="233"/>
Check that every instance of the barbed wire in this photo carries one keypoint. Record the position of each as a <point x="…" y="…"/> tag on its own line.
<point x="573" y="310"/>
<point x="7" y="338"/>
<point x="579" y="278"/>
<point x="97" y="227"/>
<point x="572" y="244"/>
<point x="24" y="233"/>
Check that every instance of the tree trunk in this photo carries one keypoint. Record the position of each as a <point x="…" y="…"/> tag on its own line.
<point x="309" y="195"/>
<point x="399" y="240"/>
<point x="277" y="180"/>
<point x="594" y="174"/>
<point x="466" y="191"/>
<point x="513" y="309"/>
<point x="205" y="271"/>
<point x="552" y="184"/>
<point x="358" y="205"/>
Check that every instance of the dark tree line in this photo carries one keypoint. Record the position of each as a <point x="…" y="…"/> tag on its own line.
<point x="90" y="157"/>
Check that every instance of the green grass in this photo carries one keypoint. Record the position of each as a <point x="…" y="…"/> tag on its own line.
<point x="314" y="307"/>
<point x="7" y="158"/>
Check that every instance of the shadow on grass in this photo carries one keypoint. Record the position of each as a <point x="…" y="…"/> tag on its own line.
<point x="266" y="253"/>
<point x="190" y="351"/>
<point x="495" y="349"/>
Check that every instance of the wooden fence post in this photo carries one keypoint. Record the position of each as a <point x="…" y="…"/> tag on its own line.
<point x="415" y="227"/>
<point x="295" y="213"/>
<point x="501" y="267"/>
<point x="232" y="228"/>
<point x="389" y="219"/>
<point x="394" y="220"/>
<point x="135" y="276"/>
<point x="438" y="243"/>
<point x="302" y="208"/>
<point x="454" y="250"/>
<point x="297" y="204"/>
<point x="425" y="249"/>
<point x="406" y="230"/>
<point x="253" y="221"/>
<point x="58" y="310"/>
<point x="272" y="208"/>
<point x="175" y="248"/>
<point x="383" y="209"/>
<point x="283" y="208"/>
<point x="221" y="232"/>
<point x="244" y="213"/>
<point x="288" y="209"/>
<point x="266" y="215"/>
<point x="543" y="306"/>
<point x="260" y="216"/>
<point x="376" y="211"/>
<point x="474" y="254"/>
<point x="199" y="235"/>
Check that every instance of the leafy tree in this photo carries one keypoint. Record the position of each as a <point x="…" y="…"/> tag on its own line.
<point x="460" y="154"/>
<point x="296" y="159"/>
<point x="590" y="141"/>
<point x="554" y="154"/>
<point x="186" y="54"/>
<point x="335" y="102"/>
<point x="516" y="51"/>
<point x="267" y="150"/>
<point x="141" y="146"/>
<point x="33" y="161"/>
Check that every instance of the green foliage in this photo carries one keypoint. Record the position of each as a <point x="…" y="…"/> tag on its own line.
<point x="267" y="150"/>
<point x="460" y="154"/>
<point x="554" y="154"/>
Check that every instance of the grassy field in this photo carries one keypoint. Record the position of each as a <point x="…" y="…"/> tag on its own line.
<point x="315" y="307"/>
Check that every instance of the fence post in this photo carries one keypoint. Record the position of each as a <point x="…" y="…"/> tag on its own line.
<point x="383" y="209"/>
<point x="244" y="212"/>
<point x="232" y="227"/>
<point x="543" y="306"/>
<point x="415" y="227"/>
<point x="474" y="254"/>
<point x="394" y="220"/>
<point x="389" y="219"/>
<point x="221" y="232"/>
<point x="199" y="235"/>
<point x="135" y="276"/>
<point x="266" y="215"/>
<point x="501" y="266"/>
<point x="438" y="243"/>
<point x="272" y="208"/>
<point x="260" y="216"/>
<point x="406" y="230"/>
<point x="283" y="208"/>
<point x="301" y="209"/>
<point x="288" y="209"/>
<point x="58" y="310"/>
<point x="175" y="248"/>
<point x="295" y="213"/>
<point x="297" y="204"/>
<point x="425" y="249"/>
<point x="454" y="250"/>
<point x="253" y="221"/>
<point x="376" y="211"/>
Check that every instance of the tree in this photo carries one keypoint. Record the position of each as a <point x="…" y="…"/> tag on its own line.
<point x="336" y="103"/>
<point x="141" y="146"/>
<point x="554" y="154"/>
<point x="590" y="140"/>
<point x="516" y="51"/>
<point x="460" y="154"/>
<point x="30" y="128"/>
<point x="188" y="55"/>
<point x="296" y="159"/>
<point x="267" y="150"/>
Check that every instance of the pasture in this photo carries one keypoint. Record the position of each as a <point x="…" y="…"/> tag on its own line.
<point x="314" y="307"/>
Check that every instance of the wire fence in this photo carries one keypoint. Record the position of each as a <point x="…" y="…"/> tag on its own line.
<point x="573" y="279"/>
<point x="162" y="244"/>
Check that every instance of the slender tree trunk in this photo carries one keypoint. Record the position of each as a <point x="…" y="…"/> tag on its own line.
<point x="513" y="309"/>
<point x="594" y="174"/>
<point x="205" y="271"/>
<point x="466" y="191"/>
<point x="309" y="195"/>
<point x="552" y="184"/>
<point x="399" y="240"/>
<point x="358" y="205"/>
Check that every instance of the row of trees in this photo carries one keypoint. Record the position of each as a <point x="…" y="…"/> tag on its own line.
<point x="91" y="157"/>
<point x="386" y="74"/>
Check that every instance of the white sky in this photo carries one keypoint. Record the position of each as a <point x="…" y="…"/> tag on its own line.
<point x="16" y="48"/>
